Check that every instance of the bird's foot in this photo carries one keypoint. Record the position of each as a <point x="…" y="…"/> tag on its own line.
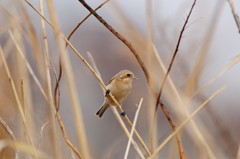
<point x="107" y="92"/>
<point x="123" y="113"/>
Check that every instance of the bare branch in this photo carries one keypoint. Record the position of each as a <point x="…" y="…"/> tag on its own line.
<point x="236" y="17"/>
<point x="69" y="36"/>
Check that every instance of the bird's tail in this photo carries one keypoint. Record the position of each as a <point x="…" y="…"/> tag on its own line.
<point x="102" y="110"/>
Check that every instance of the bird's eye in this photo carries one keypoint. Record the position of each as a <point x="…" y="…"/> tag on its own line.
<point x="128" y="75"/>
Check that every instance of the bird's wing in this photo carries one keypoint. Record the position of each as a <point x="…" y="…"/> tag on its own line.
<point x="111" y="80"/>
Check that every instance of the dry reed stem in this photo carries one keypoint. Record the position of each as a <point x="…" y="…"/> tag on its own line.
<point x="185" y="122"/>
<point x="152" y="68"/>
<point x="69" y="36"/>
<point x="95" y="69"/>
<point x="235" y="15"/>
<point x="192" y="81"/>
<point x="34" y="40"/>
<point x="134" y="144"/>
<point x="48" y="75"/>
<point x="23" y="147"/>
<point x="22" y="93"/>
<point x="103" y="85"/>
<point x="79" y="124"/>
<point x="17" y="99"/>
<point x="21" y="70"/>
<point x="235" y="61"/>
<point x="133" y="128"/>
<point x="9" y="131"/>
<point x="28" y="65"/>
<point x="7" y="47"/>
<point x="179" y="99"/>
<point x="49" y="86"/>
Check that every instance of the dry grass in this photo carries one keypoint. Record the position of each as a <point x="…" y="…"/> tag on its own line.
<point x="35" y="123"/>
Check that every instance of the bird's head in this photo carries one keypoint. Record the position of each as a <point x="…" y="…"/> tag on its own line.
<point x="125" y="76"/>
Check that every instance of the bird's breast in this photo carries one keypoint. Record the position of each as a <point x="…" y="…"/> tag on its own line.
<point x="119" y="90"/>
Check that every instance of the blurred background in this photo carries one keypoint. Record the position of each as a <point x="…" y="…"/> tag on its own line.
<point x="209" y="43"/>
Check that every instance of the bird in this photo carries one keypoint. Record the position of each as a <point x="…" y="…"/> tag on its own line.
<point x="120" y="86"/>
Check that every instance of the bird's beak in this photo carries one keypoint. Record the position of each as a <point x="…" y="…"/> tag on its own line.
<point x="135" y="78"/>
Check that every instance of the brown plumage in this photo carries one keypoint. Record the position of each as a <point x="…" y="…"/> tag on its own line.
<point x="120" y="85"/>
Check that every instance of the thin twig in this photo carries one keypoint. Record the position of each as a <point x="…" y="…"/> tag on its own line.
<point x="54" y="70"/>
<point x="22" y="92"/>
<point x="65" y="136"/>
<point x="179" y="99"/>
<point x="166" y="75"/>
<point x="71" y="146"/>
<point x="41" y="134"/>
<point x="174" y="55"/>
<point x="94" y="73"/>
<point x="69" y="36"/>
<point x="59" y="119"/>
<point x="9" y="131"/>
<point x="193" y="23"/>
<point x="133" y="127"/>
<point x="185" y="122"/>
<point x="236" y="17"/>
<point x="57" y="88"/>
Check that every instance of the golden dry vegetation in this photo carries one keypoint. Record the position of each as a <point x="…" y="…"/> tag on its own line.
<point x="185" y="103"/>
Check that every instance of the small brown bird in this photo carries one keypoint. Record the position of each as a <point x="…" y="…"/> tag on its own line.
<point x="120" y="85"/>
